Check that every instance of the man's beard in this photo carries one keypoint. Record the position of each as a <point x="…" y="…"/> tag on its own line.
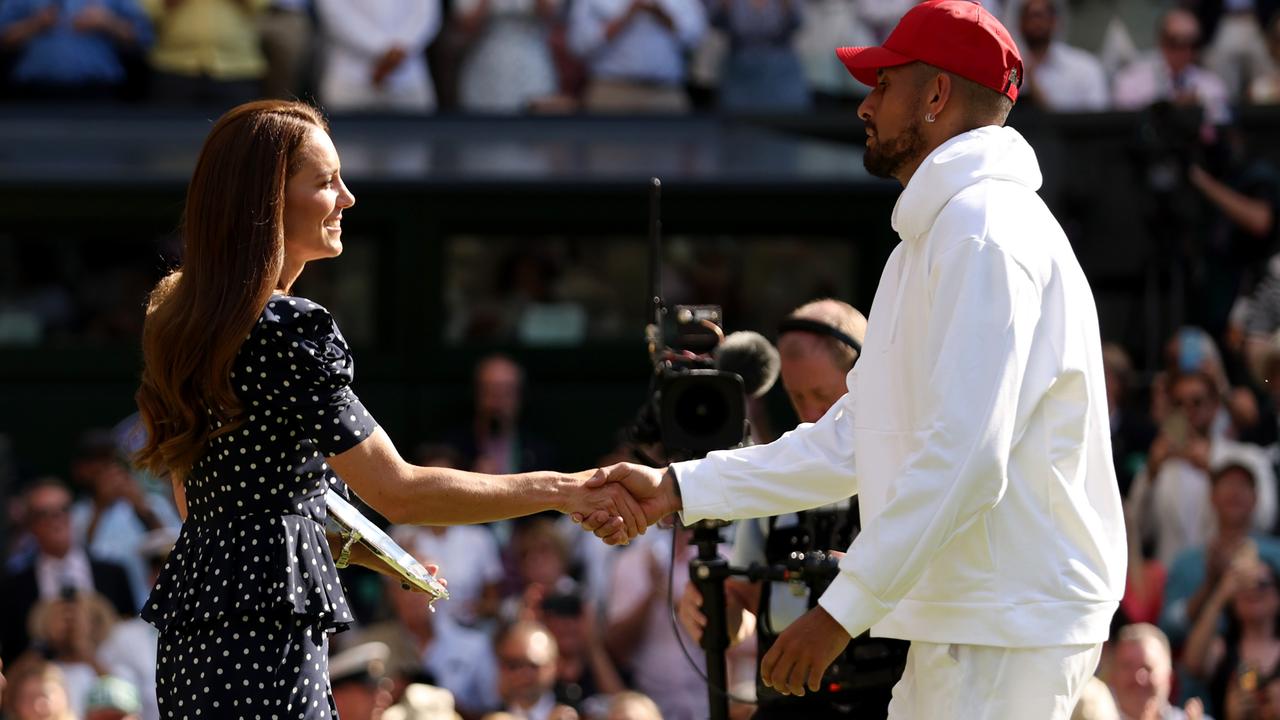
<point x="885" y="158"/>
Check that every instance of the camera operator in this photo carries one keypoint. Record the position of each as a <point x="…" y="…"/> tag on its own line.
<point x="818" y="343"/>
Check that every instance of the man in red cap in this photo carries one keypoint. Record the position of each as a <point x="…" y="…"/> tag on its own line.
<point x="975" y="431"/>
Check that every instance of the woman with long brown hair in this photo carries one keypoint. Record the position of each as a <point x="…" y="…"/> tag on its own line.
<point x="247" y="401"/>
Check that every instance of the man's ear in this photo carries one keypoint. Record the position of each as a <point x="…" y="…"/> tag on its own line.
<point x="939" y="93"/>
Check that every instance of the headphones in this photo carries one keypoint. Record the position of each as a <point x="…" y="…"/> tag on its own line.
<point x="819" y="328"/>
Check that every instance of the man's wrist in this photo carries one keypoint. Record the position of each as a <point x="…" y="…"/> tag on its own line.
<point x="672" y="482"/>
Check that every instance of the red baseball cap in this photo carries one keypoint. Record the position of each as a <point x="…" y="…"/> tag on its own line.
<point x="958" y="36"/>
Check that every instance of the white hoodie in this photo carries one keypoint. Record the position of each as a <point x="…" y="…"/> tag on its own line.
<point x="975" y="431"/>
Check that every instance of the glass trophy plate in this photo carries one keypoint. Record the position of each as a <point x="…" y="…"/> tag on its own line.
<point x="379" y="543"/>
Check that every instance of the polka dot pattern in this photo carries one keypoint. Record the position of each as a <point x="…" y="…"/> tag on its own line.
<point x="250" y="667"/>
<point x="251" y="581"/>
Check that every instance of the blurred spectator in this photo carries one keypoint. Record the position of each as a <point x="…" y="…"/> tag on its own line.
<point x="1235" y="658"/>
<point x="1242" y="194"/>
<point x="1173" y="75"/>
<point x="633" y="706"/>
<point x="540" y="555"/>
<point x="638" y="625"/>
<point x="68" y="631"/>
<point x="112" y="698"/>
<point x="1265" y="88"/>
<point x="1169" y="501"/>
<point x="1131" y="429"/>
<point x="1192" y="349"/>
<point x="37" y="691"/>
<point x="71" y="49"/>
<point x="358" y="676"/>
<point x="527" y="656"/>
<point x="61" y="568"/>
<point x="1197" y="571"/>
<point x="825" y="24"/>
<point x="375" y="54"/>
<point x="423" y="702"/>
<point x="130" y="649"/>
<point x="1141" y="675"/>
<point x="508" y="62"/>
<point x="583" y="668"/>
<point x="878" y="17"/>
<point x="495" y="442"/>
<point x="427" y="647"/>
<point x="207" y="52"/>
<point x="1096" y="702"/>
<point x="762" y="71"/>
<point x="468" y="552"/>
<point x="1059" y="77"/>
<point x="286" y="29"/>
<point x="117" y="513"/>
<point x="634" y="51"/>
<point x="1237" y="49"/>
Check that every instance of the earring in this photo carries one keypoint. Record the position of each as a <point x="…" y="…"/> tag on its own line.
<point x="930" y="117"/>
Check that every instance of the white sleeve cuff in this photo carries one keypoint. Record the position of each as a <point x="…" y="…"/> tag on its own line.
<point x="852" y="605"/>
<point x="701" y="491"/>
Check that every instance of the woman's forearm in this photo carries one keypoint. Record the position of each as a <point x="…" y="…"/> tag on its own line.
<point x="408" y="494"/>
<point x="1195" y="654"/>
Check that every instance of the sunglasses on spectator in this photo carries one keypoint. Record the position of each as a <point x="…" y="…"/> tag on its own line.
<point x="1193" y="402"/>
<point x="49" y="513"/>
<point x="518" y="663"/>
<point x="1179" y="42"/>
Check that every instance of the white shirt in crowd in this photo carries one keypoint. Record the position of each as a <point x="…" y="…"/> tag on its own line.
<point x="658" y="666"/>
<point x="462" y="661"/>
<point x="1069" y="79"/>
<point x="468" y="557"/>
<point x="129" y="653"/>
<point x="975" y="431"/>
<point x="1173" y="509"/>
<point x="72" y="570"/>
<point x="645" y="50"/>
<point x="1147" y="80"/>
<point x="119" y="533"/>
<point x="508" y="64"/>
<point x="358" y="34"/>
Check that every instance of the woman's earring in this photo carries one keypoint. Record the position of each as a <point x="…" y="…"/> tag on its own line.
<point x="930" y="117"/>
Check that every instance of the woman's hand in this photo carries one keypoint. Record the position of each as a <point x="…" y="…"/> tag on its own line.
<point x="435" y="571"/>
<point x="626" y="517"/>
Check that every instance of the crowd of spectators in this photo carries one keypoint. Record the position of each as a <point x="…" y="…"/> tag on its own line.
<point x="510" y="56"/>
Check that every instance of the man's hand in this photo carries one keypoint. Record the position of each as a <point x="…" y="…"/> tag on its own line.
<point x="93" y="18"/>
<point x="652" y="489"/>
<point x="616" y="516"/>
<point x="387" y="64"/>
<point x="803" y="652"/>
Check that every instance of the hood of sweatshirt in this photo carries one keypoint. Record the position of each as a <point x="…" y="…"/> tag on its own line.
<point x="987" y="153"/>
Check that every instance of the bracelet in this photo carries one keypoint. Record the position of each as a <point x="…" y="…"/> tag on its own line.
<point x="344" y="556"/>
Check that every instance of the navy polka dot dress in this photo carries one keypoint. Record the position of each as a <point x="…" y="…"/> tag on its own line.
<point x="250" y="592"/>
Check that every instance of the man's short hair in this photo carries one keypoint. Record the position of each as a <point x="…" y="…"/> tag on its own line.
<point x="1139" y="632"/>
<point x="982" y="105"/>
<point x="45" y="482"/>
<point x="840" y="315"/>
<point x="516" y="628"/>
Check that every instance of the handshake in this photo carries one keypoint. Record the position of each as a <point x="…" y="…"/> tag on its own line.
<point x="619" y="502"/>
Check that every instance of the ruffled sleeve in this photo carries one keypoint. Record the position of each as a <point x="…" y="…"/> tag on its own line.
<point x="315" y="369"/>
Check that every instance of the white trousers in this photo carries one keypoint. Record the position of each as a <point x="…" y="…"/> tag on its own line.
<point x="977" y="682"/>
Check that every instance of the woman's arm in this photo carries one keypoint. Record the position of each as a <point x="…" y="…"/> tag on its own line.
<point x="408" y="494"/>
<point x="1197" y="655"/>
